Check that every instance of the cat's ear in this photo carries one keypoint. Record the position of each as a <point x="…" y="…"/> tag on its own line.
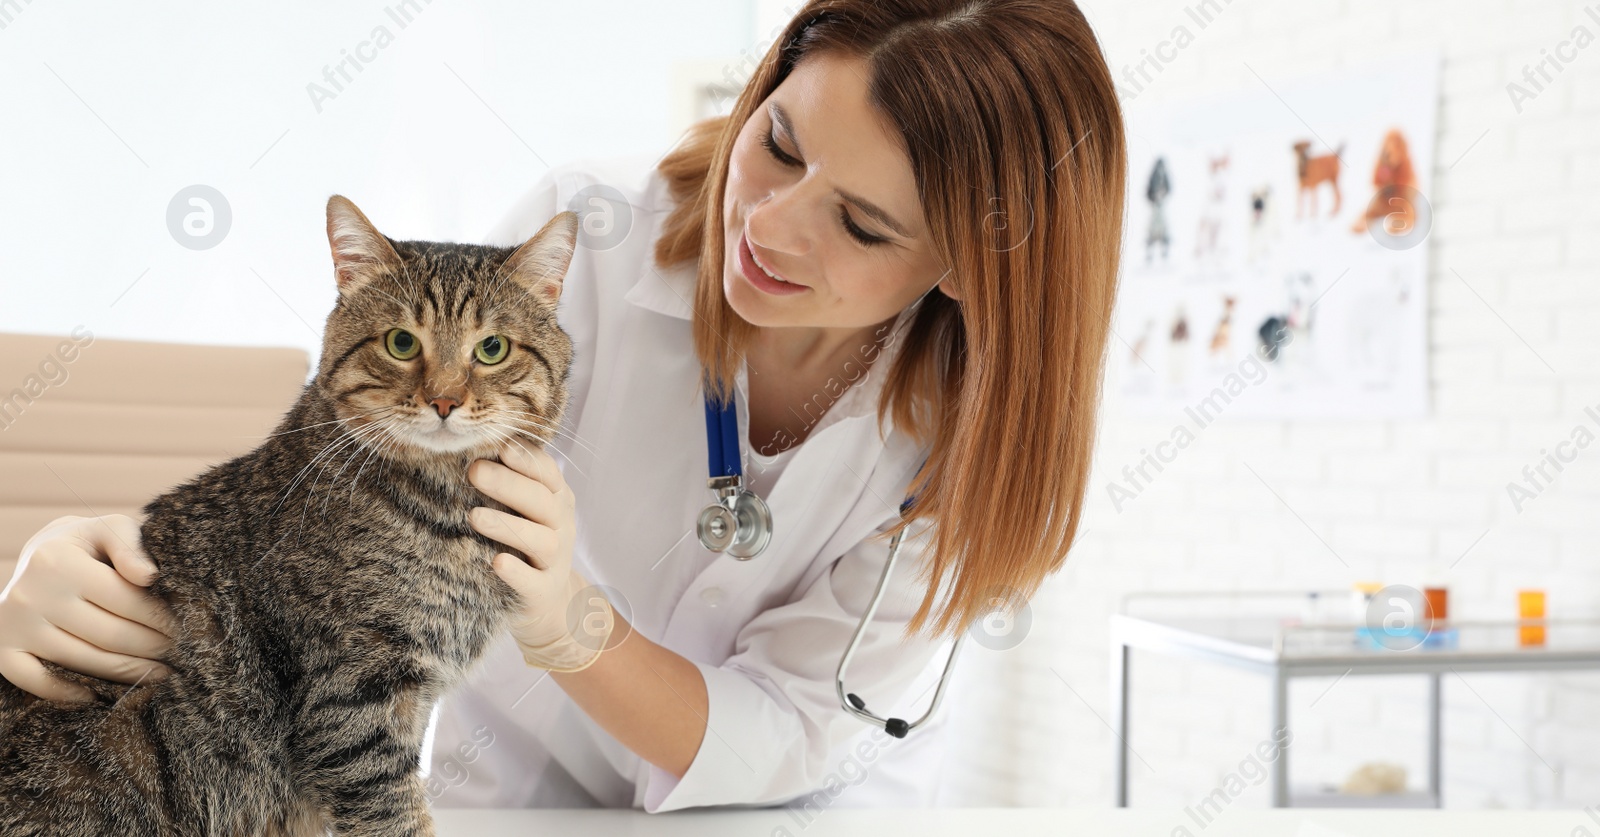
<point x="360" y="252"/>
<point x="540" y="264"/>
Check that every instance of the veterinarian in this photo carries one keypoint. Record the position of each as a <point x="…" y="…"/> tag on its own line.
<point x="900" y="247"/>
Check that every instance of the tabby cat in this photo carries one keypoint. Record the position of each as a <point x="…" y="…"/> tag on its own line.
<point x="327" y="586"/>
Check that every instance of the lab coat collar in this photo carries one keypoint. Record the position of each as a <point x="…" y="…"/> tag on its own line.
<point x="671" y="291"/>
<point x="666" y="290"/>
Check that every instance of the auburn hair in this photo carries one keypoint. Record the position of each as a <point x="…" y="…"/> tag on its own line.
<point x="1010" y="119"/>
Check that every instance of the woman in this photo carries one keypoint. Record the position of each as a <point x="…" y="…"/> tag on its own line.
<point x="913" y="215"/>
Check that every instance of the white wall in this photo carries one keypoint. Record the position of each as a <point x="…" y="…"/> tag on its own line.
<point x="109" y="109"/>
<point x="1516" y="210"/>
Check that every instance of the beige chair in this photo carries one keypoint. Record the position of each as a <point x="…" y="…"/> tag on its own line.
<point x="92" y="426"/>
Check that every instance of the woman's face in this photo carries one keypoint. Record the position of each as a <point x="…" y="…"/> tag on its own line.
<point x="831" y="206"/>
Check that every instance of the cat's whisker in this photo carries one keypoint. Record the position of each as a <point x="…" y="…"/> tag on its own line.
<point x="378" y="290"/>
<point x="355" y="446"/>
<point x="557" y="431"/>
<point x="302" y="473"/>
<point x="551" y="446"/>
<point x="558" y="428"/>
<point x="547" y="446"/>
<point x="502" y="437"/>
<point x="331" y="449"/>
<point x="383" y="443"/>
<point x="495" y="283"/>
<point x="538" y="425"/>
<point x="411" y="293"/>
<point x="338" y="441"/>
<point x="326" y="423"/>
<point x="529" y="428"/>
<point x="383" y="426"/>
<point x="311" y="490"/>
<point x="499" y="437"/>
<point x="498" y="283"/>
<point x="358" y="448"/>
<point x="355" y="439"/>
<point x="514" y="421"/>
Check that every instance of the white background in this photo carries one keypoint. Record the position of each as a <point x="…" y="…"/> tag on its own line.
<point x="110" y="108"/>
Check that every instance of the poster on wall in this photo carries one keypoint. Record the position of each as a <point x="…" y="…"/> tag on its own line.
<point x="1276" y="258"/>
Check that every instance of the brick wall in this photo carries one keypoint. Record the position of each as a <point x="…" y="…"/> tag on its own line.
<point x="1512" y="366"/>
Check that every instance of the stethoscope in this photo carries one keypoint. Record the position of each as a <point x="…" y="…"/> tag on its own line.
<point x="740" y="523"/>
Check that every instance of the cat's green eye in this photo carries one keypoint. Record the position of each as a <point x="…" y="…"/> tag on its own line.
<point x="402" y="344"/>
<point x="493" y="349"/>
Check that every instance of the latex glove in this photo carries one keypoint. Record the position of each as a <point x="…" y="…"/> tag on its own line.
<point x="77" y="599"/>
<point x="554" y="629"/>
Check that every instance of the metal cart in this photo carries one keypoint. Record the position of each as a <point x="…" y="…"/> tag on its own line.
<point x="1265" y="631"/>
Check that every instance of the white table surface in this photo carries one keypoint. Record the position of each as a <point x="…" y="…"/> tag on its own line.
<point x="987" y="822"/>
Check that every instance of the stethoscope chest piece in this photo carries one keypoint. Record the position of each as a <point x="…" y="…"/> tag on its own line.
<point x="739" y="523"/>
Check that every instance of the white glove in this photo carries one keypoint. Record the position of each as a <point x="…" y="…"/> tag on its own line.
<point x="554" y="629"/>
<point x="559" y="633"/>
<point x="77" y="598"/>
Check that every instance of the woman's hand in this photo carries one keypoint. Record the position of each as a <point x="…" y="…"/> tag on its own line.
<point x="552" y="632"/>
<point x="77" y="599"/>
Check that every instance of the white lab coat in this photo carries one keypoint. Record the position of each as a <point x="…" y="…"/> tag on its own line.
<point x="766" y="633"/>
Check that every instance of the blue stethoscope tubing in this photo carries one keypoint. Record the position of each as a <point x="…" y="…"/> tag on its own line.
<point x="740" y="523"/>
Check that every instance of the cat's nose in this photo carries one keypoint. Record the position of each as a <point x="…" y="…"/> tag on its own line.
<point x="444" y="404"/>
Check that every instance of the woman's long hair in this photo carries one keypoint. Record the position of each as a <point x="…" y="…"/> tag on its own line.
<point x="1010" y="118"/>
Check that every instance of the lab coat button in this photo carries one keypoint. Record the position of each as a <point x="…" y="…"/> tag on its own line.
<point x="712" y="596"/>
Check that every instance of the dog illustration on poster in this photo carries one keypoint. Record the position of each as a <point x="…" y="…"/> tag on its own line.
<point x="1297" y="239"/>
<point x="1211" y="217"/>
<point x="1178" y="347"/>
<point x="1142" y="343"/>
<point x="1394" y="181"/>
<point x="1263" y="229"/>
<point x="1311" y="173"/>
<point x="1224" y="331"/>
<point x="1156" y="193"/>
<point x="1286" y="336"/>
